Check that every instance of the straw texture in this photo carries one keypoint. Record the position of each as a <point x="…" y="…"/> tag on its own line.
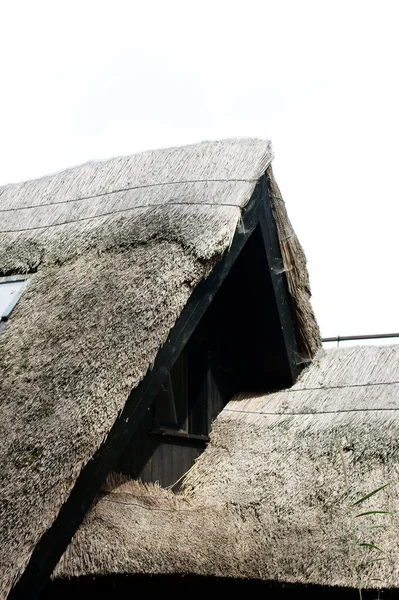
<point x="294" y="261"/>
<point x="267" y="499"/>
<point x="113" y="251"/>
<point x="192" y="195"/>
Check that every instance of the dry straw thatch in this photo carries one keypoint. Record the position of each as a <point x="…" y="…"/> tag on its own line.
<point x="294" y="261"/>
<point x="192" y="195"/>
<point x="267" y="498"/>
<point x="113" y="251"/>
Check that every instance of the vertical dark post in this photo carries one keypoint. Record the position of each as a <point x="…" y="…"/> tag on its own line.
<point x="279" y="281"/>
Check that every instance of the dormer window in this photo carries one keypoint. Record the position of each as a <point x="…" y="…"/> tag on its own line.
<point x="237" y="346"/>
<point x="11" y="289"/>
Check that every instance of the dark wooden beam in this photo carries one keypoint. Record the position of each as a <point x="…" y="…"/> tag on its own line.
<point x="279" y="280"/>
<point x="54" y="542"/>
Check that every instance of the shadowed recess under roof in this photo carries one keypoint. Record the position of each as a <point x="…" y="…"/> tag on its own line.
<point x="114" y="251"/>
<point x="267" y="498"/>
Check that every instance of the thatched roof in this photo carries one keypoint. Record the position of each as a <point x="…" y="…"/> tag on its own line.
<point x="268" y="497"/>
<point x="113" y="251"/>
<point x="192" y="195"/>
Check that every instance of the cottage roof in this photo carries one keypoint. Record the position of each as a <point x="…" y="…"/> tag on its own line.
<point x="192" y="195"/>
<point x="268" y="497"/>
<point x="113" y="251"/>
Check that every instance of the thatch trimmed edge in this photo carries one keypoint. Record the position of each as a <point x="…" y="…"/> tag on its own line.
<point x="295" y="268"/>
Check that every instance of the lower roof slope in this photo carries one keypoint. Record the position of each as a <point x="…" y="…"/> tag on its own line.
<point x="268" y="499"/>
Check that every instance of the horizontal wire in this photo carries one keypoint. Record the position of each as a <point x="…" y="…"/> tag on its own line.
<point x="127" y="189"/>
<point x="320" y="412"/>
<point x="339" y="387"/>
<point x="336" y="387"/>
<point x="121" y="210"/>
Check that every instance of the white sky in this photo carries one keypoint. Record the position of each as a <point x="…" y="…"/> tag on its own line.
<point x="83" y="80"/>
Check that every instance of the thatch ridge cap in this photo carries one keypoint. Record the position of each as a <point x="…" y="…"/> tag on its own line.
<point x="118" y="157"/>
<point x="169" y="193"/>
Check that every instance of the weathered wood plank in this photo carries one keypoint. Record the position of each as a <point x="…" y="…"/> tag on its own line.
<point x="279" y="281"/>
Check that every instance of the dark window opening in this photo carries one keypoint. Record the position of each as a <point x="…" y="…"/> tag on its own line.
<point x="237" y="347"/>
<point x="171" y="408"/>
<point x="181" y="406"/>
